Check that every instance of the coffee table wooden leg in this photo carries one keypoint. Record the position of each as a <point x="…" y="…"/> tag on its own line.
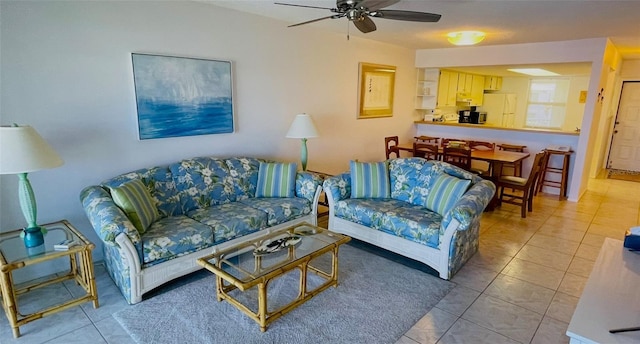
<point x="262" y="305"/>
<point x="90" y="276"/>
<point x="219" y="286"/>
<point x="334" y="272"/>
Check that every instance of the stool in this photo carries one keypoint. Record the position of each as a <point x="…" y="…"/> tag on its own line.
<point x="563" y="171"/>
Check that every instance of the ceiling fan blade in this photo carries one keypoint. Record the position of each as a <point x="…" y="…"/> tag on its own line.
<point x="406" y="15"/>
<point x="295" y="5"/>
<point x="315" y="20"/>
<point x="374" y="5"/>
<point x="365" y="24"/>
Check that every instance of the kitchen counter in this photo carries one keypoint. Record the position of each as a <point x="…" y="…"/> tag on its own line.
<point x="534" y="139"/>
<point x="485" y="126"/>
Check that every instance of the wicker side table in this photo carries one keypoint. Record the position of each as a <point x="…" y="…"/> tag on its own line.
<point x="14" y="256"/>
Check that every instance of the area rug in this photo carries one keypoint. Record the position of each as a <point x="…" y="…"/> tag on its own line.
<point x="632" y="176"/>
<point x="377" y="301"/>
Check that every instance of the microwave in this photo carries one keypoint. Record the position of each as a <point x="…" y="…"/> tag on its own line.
<point x="473" y="117"/>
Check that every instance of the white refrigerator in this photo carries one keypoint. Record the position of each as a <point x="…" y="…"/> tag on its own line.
<point x="500" y="109"/>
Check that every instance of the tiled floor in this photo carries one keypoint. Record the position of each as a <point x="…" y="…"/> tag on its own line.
<point x="521" y="287"/>
<point x="524" y="283"/>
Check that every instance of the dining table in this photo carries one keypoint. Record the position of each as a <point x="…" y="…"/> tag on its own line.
<point x="494" y="157"/>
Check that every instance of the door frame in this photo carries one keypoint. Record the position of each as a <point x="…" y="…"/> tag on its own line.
<point x="613" y="123"/>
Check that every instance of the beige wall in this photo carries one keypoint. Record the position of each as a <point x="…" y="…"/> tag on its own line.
<point x="66" y="71"/>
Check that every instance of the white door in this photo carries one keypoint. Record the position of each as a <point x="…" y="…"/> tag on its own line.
<point x="625" y="144"/>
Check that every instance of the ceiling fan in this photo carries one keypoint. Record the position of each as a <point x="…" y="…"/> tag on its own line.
<point x="360" y="11"/>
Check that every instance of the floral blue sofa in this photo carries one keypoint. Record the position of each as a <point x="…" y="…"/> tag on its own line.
<point x="194" y="206"/>
<point x="414" y="219"/>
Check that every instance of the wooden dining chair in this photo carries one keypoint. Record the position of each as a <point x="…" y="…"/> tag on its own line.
<point x="482" y="168"/>
<point x="523" y="189"/>
<point x="426" y="150"/>
<point x="427" y="139"/>
<point x="391" y="146"/>
<point x="460" y="157"/>
<point x="445" y="141"/>
<point x="516" y="167"/>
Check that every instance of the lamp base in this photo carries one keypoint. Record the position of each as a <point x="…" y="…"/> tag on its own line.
<point x="33" y="237"/>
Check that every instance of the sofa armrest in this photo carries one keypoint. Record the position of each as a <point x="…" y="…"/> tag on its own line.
<point x="338" y="186"/>
<point x="106" y="218"/>
<point x="470" y="205"/>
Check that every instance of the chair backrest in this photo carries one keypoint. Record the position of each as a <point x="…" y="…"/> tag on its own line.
<point x="391" y="146"/>
<point x="536" y="168"/>
<point x="445" y="141"/>
<point x="427" y="139"/>
<point x="425" y="150"/>
<point x="482" y="145"/>
<point x="460" y="157"/>
<point x="511" y="148"/>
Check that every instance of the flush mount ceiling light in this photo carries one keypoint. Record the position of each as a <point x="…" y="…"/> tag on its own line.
<point x="533" y="71"/>
<point x="465" y="37"/>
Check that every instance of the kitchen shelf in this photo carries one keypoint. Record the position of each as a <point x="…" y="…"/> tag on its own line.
<point x="426" y="89"/>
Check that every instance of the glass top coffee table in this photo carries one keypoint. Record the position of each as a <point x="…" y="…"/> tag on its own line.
<point x="255" y="263"/>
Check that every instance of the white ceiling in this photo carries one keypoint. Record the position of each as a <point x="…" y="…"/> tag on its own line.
<point x="504" y="21"/>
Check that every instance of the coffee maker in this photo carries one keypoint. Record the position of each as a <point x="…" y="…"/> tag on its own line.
<point x="472" y="116"/>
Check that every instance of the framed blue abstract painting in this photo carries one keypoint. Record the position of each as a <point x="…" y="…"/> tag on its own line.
<point x="179" y="96"/>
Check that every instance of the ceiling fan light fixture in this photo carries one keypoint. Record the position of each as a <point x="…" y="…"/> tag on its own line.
<point x="465" y="37"/>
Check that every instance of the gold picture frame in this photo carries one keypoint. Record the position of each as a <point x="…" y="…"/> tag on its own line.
<point x="375" y="90"/>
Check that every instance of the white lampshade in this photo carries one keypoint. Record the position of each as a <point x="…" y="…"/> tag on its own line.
<point x="302" y="127"/>
<point x="23" y="150"/>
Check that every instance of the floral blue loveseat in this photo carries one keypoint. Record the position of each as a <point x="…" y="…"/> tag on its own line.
<point x="202" y="203"/>
<point x="407" y="222"/>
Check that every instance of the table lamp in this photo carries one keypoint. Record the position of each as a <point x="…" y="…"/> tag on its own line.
<point x="302" y="128"/>
<point x="23" y="150"/>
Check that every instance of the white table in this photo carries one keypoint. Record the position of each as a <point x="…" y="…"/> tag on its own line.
<point x="610" y="299"/>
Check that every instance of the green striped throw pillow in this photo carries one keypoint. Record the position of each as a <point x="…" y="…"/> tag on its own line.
<point x="276" y="179"/>
<point x="444" y="192"/>
<point x="136" y="201"/>
<point x="370" y="180"/>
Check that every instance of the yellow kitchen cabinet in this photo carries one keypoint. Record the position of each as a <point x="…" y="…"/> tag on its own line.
<point x="477" y="90"/>
<point x="465" y="82"/>
<point x="447" y="88"/>
<point x="492" y="83"/>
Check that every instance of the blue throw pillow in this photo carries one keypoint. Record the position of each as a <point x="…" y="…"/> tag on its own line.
<point x="444" y="192"/>
<point x="276" y="179"/>
<point x="370" y="180"/>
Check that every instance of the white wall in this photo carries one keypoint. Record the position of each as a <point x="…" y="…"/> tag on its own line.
<point x="66" y="71"/>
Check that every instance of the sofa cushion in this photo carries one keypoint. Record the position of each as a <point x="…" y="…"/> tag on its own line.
<point x="174" y="236"/>
<point x="280" y="210"/>
<point x="444" y="192"/>
<point x="415" y="223"/>
<point x="276" y="179"/>
<point x="230" y="220"/>
<point x="244" y="173"/>
<point x="369" y="180"/>
<point x="367" y="212"/>
<point x="203" y="182"/>
<point x="159" y="182"/>
<point x="135" y="200"/>
<point x="410" y="179"/>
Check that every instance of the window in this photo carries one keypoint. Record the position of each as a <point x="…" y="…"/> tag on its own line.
<point x="546" y="107"/>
